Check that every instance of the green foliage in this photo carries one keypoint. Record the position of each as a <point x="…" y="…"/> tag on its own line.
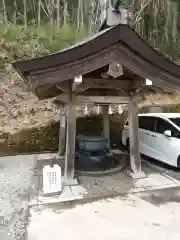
<point x="32" y="28"/>
<point x="17" y="42"/>
<point x="158" y="23"/>
<point x="174" y="108"/>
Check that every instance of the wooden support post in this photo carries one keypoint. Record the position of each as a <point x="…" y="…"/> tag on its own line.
<point x="135" y="158"/>
<point x="70" y="139"/>
<point x="62" y="133"/>
<point x="106" y="123"/>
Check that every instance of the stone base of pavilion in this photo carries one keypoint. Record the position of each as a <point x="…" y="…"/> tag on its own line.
<point x="94" y="187"/>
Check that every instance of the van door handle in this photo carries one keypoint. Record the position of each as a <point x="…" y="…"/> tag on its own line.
<point x="147" y="134"/>
<point x="153" y="136"/>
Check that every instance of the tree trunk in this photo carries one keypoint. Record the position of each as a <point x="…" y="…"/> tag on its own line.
<point x="78" y="15"/>
<point x="4" y="11"/>
<point x="65" y="12"/>
<point x="14" y="13"/>
<point x="58" y="15"/>
<point x="39" y="13"/>
<point x="25" y="12"/>
<point x="82" y="16"/>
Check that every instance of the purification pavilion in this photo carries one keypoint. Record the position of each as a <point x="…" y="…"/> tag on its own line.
<point x="109" y="68"/>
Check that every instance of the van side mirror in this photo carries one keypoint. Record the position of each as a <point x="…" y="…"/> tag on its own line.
<point x="167" y="133"/>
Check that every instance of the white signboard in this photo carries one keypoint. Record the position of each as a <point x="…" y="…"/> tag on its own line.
<point x="52" y="182"/>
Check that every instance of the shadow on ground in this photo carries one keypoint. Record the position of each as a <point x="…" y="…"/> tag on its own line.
<point x="163" y="196"/>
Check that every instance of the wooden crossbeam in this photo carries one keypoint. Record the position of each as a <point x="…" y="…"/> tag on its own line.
<point x="101" y="84"/>
<point x="94" y="99"/>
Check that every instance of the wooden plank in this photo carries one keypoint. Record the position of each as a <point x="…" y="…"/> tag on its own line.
<point x="103" y="99"/>
<point x="101" y="83"/>
<point x="109" y="84"/>
<point x="161" y="68"/>
<point x="145" y="69"/>
<point x="119" y="52"/>
<point x="107" y="81"/>
<point x="73" y="69"/>
<point x="128" y="59"/>
<point x="95" y="99"/>
<point x="135" y="159"/>
<point x="62" y="87"/>
<point x="82" y="87"/>
<point x="65" y="98"/>
<point x="106" y="123"/>
<point x="70" y="138"/>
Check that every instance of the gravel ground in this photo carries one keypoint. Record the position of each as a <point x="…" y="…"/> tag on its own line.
<point x="15" y="184"/>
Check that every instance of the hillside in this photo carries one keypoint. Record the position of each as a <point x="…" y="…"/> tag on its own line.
<point x="30" y="29"/>
<point x="20" y="109"/>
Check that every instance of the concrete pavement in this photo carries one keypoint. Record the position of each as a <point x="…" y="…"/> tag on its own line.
<point x="148" y="215"/>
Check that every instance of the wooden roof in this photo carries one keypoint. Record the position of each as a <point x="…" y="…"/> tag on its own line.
<point x="119" y="43"/>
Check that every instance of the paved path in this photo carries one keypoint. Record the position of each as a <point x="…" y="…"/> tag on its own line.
<point x="15" y="183"/>
<point x="152" y="215"/>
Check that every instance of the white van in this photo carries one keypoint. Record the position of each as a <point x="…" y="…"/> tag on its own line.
<point x="159" y="136"/>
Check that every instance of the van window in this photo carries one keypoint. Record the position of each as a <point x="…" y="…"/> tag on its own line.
<point x="175" y="121"/>
<point x="163" y="125"/>
<point x="147" y="123"/>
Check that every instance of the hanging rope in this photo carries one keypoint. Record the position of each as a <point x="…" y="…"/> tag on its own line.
<point x="85" y="110"/>
<point x="98" y="110"/>
<point x="120" y="109"/>
<point x="110" y="110"/>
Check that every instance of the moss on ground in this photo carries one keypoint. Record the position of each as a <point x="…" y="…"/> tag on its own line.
<point x="46" y="138"/>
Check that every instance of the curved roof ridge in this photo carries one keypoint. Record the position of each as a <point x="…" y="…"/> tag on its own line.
<point x="102" y="39"/>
